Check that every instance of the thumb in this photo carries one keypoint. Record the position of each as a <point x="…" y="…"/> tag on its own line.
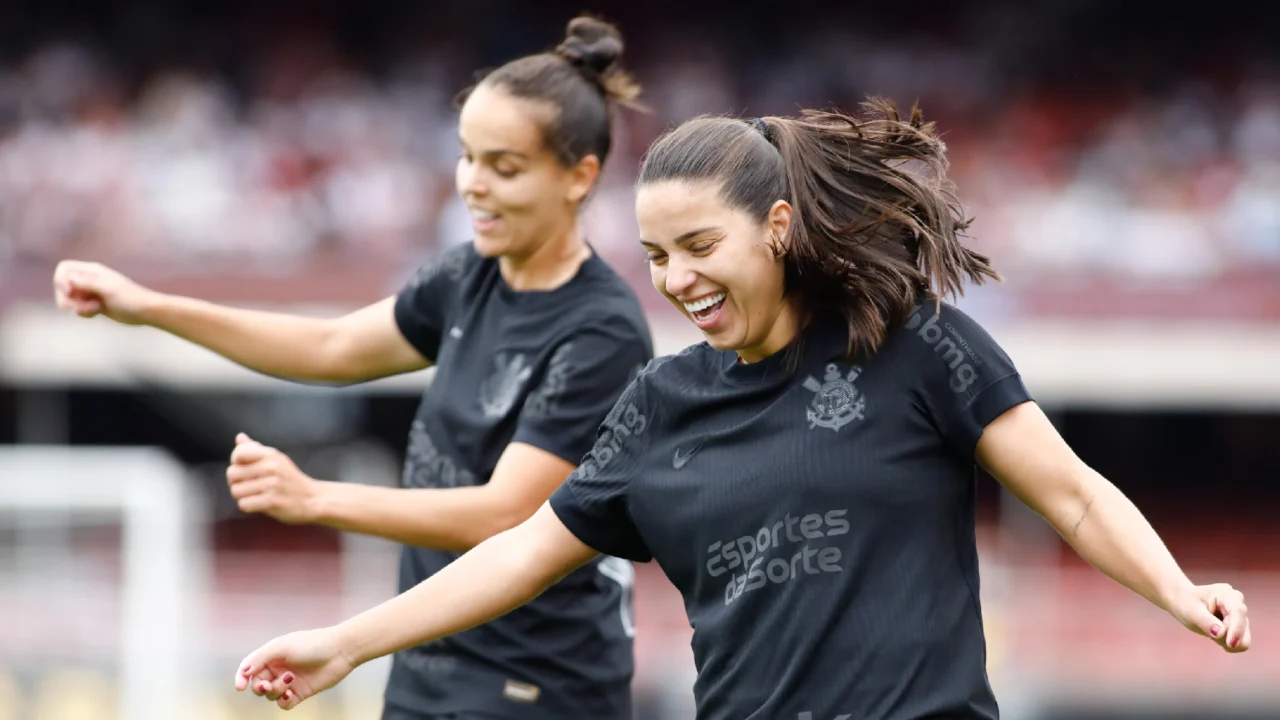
<point x="247" y="451"/>
<point x="256" y="664"/>
<point x="242" y="438"/>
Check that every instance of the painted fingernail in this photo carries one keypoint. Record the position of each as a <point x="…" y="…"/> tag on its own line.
<point x="1233" y="642"/>
<point x="285" y="696"/>
<point x="1216" y="630"/>
<point x="245" y="670"/>
<point x="288" y="678"/>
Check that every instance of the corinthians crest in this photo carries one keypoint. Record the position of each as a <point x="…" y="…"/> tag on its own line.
<point x="498" y="394"/>
<point x="836" y="401"/>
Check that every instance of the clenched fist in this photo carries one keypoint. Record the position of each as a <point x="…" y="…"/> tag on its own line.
<point x="90" y="289"/>
<point x="265" y="480"/>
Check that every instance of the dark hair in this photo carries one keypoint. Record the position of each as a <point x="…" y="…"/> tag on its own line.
<point x="581" y="79"/>
<point x="875" y="225"/>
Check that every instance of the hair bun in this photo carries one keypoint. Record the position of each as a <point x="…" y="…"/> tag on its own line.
<point x="592" y="46"/>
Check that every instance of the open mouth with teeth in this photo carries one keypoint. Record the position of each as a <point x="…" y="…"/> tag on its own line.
<point x="483" y="220"/>
<point x="705" y="309"/>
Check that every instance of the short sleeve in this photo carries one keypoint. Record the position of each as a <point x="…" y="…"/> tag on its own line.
<point x="426" y="302"/>
<point x="585" y="376"/>
<point x="593" y="502"/>
<point x="964" y="379"/>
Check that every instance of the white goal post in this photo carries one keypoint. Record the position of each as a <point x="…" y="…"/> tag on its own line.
<point x="164" y="554"/>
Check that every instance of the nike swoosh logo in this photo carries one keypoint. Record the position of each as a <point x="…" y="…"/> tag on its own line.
<point x="679" y="460"/>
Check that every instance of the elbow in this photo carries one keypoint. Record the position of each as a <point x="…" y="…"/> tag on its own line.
<point x="334" y="356"/>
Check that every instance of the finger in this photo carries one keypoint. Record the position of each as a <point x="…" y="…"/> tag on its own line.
<point x="1246" y="639"/>
<point x="60" y="289"/>
<point x="1236" y="615"/>
<point x="250" y="488"/>
<point x="249" y="452"/>
<point x="83" y="282"/>
<point x="260" y="503"/>
<point x="241" y="473"/>
<point x="243" y="438"/>
<point x="289" y="700"/>
<point x="244" y="675"/>
<point x="84" y="307"/>
<point x="1206" y="623"/>
<point x="1221" y="607"/>
<point x="280" y="687"/>
<point x="254" y="668"/>
<point x="275" y="689"/>
<point x="261" y="682"/>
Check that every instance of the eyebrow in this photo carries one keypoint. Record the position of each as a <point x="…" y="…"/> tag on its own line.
<point x="685" y="237"/>
<point x="497" y="154"/>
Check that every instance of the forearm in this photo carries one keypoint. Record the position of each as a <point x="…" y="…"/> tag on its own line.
<point x="277" y="344"/>
<point x="498" y="576"/>
<point x="454" y="519"/>
<point x="1110" y="533"/>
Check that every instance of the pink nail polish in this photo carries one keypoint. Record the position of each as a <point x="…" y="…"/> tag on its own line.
<point x="1216" y="630"/>
<point x="288" y="678"/>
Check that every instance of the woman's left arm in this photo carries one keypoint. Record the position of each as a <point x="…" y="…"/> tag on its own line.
<point x="1025" y="453"/>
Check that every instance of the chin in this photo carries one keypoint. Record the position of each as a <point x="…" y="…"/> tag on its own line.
<point x="721" y="342"/>
<point x="491" y="247"/>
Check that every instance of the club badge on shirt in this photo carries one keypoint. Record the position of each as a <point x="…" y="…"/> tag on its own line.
<point x="836" y="402"/>
<point x="498" y="394"/>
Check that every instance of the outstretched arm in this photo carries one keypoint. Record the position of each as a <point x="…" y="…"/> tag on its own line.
<point x="499" y="575"/>
<point x="362" y="345"/>
<point x="264" y="480"/>
<point x="1023" y="451"/>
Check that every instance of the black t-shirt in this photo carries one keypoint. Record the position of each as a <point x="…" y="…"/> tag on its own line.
<point x="818" y="522"/>
<point x="542" y="368"/>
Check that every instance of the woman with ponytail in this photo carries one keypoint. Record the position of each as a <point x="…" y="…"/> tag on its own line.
<point x="804" y="477"/>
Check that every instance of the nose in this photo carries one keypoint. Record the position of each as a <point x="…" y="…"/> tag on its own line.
<point x="680" y="276"/>
<point x="470" y="180"/>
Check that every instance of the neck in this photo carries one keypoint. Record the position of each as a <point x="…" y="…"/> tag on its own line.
<point x="552" y="264"/>
<point x="784" y="330"/>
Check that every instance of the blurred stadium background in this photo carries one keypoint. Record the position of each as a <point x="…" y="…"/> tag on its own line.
<point x="1122" y="160"/>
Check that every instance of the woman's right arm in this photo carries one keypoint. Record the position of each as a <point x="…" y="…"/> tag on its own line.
<point x="363" y="345"/>
<point x="496" y="577"/>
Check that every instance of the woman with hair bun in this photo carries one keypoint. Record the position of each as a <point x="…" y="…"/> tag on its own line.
<point x="533" y="338"/>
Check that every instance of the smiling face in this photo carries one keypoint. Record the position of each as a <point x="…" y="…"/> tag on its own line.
<point x="717" y="265"/>
<point x="519" y="193"/>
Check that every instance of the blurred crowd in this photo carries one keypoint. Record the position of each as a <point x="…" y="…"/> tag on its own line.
<point x="1167" y="186"/>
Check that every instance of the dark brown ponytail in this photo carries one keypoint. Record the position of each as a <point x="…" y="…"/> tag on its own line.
<point x="876" y="224"/>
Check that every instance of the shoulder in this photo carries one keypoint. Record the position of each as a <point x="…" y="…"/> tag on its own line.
<point x="933" y="313"/>
<point x="607" y="290"/>
<point x="672" y="375"/>
<point x="603" y="304"/>
<point x="608" y="334"/>
<point x="940" y="339"/>
<point x="449" y="264"/>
